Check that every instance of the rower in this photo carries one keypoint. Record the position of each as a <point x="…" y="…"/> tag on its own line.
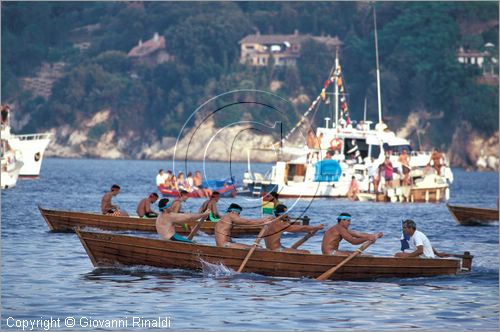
<point x="144" y="206"/>
<point x="166" y="221"/>
<point x="176" y="205"/>
<point x="232" y="217"/>
<point x="333" y="236"/>
<point x="211" y="204"/>
<point x="107" y="208"/>
<point x="275" y="229"/>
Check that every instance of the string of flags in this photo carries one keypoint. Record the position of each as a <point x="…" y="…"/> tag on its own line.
<point x="336" y="77"/>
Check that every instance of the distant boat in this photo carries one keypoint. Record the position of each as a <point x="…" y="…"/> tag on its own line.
<point x="11" y="165"/>
<point x="473" y="216"/>
<point x="32" y="146"/>
<point x="106" y="249"/>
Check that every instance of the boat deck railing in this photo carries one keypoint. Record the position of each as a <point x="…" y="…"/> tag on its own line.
<point x="30" y="137"/>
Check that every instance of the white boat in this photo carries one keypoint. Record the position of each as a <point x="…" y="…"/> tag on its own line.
<point x="32" y="146"/>
<point x="11" y="164"/>
<point x="359" y="150"/>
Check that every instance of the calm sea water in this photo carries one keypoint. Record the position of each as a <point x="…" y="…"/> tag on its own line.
<point x="48" y="275"/>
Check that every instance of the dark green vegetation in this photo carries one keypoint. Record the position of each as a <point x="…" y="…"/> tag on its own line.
<point x="418" y="43"/>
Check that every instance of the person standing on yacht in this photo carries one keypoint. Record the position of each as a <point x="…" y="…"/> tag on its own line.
<point x="404" y="160"/>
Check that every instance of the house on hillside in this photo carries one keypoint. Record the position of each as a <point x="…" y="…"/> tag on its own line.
<point x="257" y="49"/>
<point x="485" y="60"/>
<point x="152" y="52"/>
<point x="472" y="57"/>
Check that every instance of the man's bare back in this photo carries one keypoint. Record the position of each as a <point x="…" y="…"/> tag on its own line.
<point x="166" y="221"/>
<point x="224" y="226"/>
<point x="106" y="206"/>
<point x="275" y="229"/>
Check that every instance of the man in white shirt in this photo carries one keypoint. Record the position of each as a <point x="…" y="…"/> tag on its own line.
<point x="418" y="242"/>
<point x="162" y="177"/>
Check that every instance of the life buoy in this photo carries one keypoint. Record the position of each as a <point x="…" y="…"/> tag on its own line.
<point x="336" y="144"/>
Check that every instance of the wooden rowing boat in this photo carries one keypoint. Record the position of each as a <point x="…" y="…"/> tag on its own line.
<point x="105" y="249"/>
<point x="473" y="216"/>
<point x="69" y="221"/>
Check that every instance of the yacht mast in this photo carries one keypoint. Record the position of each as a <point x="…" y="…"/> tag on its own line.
<point x="379" y="99"/>
<point x="336" y="90"/>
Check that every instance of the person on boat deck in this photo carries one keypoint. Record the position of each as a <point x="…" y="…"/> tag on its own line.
<point x="166" y="221"/>
<point x="372" y="174"/>
<point x="313" y="144"/>
<point x="182" y="182"/>
<point x="274" y="230"/>
<point x="144" y="206"/>
<point x="172" y="183"/>
<point x="404" y="160"/>
<point x="329" y="155"/>
<point x="231" y="218"/>
<point x="198" y="182"/>
<point x="418" y="242"/>
<point x="176" y="205"/>
<point x="436" y="160"/>
<point x="353" y="152"/>
<point x="161" y="178"/>
<point x="211" y="204"/>
<point x="353" y="191"/>
<point x="341" y="231"/>
<point x="388" y="172"/>
<point x="109" y="209"/>
<point x="275" y="198"/>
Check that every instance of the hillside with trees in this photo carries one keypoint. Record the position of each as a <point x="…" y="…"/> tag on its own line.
<point x="418" y="44"/>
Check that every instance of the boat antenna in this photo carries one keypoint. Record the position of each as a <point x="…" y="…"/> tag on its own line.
<point x="378" y="69"/>
<point x="336" y="89"/>
<point x="364" y="112"/>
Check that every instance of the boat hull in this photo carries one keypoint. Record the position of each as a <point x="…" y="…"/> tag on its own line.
<point x="408" y="194"/>
<point x="472" y="216"/>
<point x="69" y="221"/>
<point x="32" y="147"/>
<point x="303" y="189"/>
<point x="106" y="249"/>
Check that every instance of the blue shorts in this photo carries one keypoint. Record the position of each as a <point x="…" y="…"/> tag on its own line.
<point x="180" y="238"/>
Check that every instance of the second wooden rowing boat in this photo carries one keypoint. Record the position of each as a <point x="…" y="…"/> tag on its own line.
<point x="69" y="221"/>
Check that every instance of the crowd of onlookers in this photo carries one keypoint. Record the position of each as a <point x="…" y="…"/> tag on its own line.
<point x="169" y="181"/>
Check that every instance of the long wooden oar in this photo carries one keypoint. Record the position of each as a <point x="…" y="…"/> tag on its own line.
<point x="304" y="239"/>
<point x="334" y="269"/>
<point x="196" y="228"/>
<point x="255" y="244"/>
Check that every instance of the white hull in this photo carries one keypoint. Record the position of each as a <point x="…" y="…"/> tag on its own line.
<point x="314" y="189"/>
<point x="32" y="147"/>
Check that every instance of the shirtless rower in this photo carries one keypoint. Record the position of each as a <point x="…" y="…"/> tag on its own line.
<point x="333" y="236"/>
<point x="231" y="218"/>
<point x="107" y="208"/>
<point x="211" y="204"/>
<point x="275" y="229"/>
<point x="176" y="205"/>
<point x="166" y="221"/>
<point x="144" y="206"/>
